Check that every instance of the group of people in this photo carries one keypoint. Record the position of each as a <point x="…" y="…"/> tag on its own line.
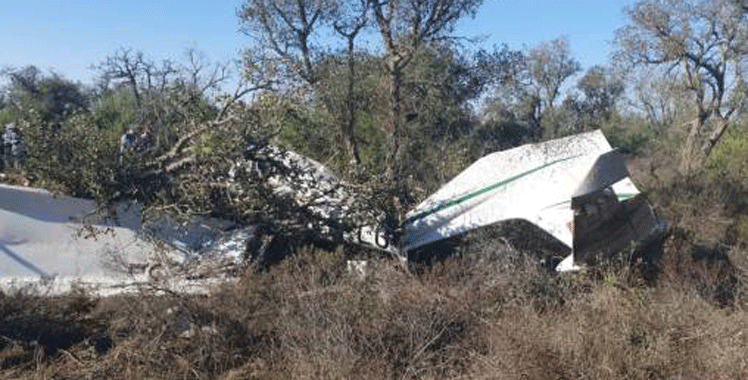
<point x="12" y="149"/>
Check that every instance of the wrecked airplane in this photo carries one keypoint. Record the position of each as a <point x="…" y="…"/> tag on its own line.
<point x="577" y="189"/>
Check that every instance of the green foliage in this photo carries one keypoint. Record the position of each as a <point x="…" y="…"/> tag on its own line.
<point x="309" y="132"/>
<point x="729" y="159"/>
<point x="76" y="159"/>
<point x="550" y="64"/>
<point x="373" y="143"/>
<point x="72" y="135"/>
<point x="701" y="44"/>
<point x="115" y="110"/>
<point x="65" y="150"/>
<point x="35" y="97"/>
<point x="495" y="135"/>
<point x="6" y="115"/>
<point x="630" y="138"/>
<point x="601" y="91"/>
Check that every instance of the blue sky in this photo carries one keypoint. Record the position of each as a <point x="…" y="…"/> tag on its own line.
<point x="69" y="36"/>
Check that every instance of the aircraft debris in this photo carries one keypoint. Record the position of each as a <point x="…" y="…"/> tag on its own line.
<point x="576" y="188"/>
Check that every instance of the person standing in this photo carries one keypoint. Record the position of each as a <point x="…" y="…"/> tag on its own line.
<point x="129" y="141"/>
<point x="2" y="154"/>
<point x="13" y="146"/>
<point x="146" y="140"/>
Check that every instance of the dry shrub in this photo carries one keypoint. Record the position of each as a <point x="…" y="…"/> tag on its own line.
<point x="707" y="250"/>
<point x="616" y="331"/>
<point x="335" y="325"/>
<point x="503" y="317"/>
<point x="34" y="328"/>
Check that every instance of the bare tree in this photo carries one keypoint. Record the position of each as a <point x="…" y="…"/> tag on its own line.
<point x="201" y="75"/>
<point x="404" y="26"/>
<point x="706" y="45"/>
<point x="551" y="64"/>
<point x="285" y="27"/>
<point x="601" y="90"/>
<point x="133" y="69"/>
<point x="25" y="79"/>
<point x="656" y="94"/>
<point x="354" y="19"/>
<point x="531" y="90"/>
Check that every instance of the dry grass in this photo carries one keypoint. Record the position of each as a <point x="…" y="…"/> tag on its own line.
<point x="308" y="318"/>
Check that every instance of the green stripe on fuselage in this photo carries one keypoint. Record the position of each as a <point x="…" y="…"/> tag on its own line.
<point x="484" y="190"/>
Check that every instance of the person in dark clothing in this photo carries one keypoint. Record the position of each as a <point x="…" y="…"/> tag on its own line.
<point x="147" y="143"/>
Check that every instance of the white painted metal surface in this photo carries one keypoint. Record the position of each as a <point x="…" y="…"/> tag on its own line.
<point x="534" y="182"/>
<point x="46" y="235"/>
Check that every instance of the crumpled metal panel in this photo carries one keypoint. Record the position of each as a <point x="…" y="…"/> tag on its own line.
<point x="533" y="182"/>
<point x="46" y="235"/>
<point x="576" y="188"/>
<point x="603" y="225"/>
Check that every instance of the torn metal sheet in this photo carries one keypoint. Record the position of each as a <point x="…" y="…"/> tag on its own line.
<point x="47" y="235"/>
<point x="60" y="241"/>
<point x="54" y="244"/>
<point x="306" y="184"/>
<point x="539" y="183"/>
<point x="603" y="224"/>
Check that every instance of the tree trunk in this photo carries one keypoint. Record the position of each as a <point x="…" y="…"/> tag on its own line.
<point x="348" y="129"/>
<point x="690" y="157"/>
<point x="396" y="153"/>
<point x="714" y="138"/>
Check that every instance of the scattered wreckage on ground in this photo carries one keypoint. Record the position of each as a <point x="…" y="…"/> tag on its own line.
<point x="577" y="189"/>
